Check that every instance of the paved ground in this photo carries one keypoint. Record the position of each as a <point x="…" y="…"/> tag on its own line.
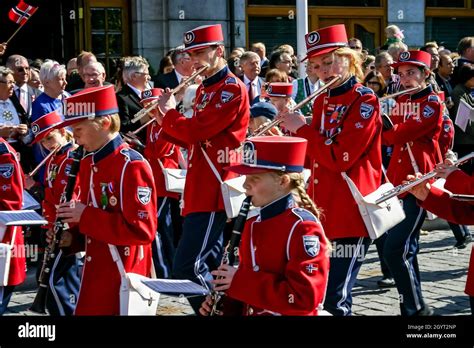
<point x="443" y="272"/>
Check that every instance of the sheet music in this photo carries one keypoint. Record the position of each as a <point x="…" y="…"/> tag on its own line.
<point x="464" y="115"/>
<point x="176" y="287"/>
<point x="29" y="202"/>
<point x="20" y="218"/>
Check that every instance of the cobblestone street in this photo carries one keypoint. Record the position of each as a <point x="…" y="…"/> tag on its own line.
<point x="443" y="273"/>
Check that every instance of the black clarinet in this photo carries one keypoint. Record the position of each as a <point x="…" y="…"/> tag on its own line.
<point x="231" y="251"/>
<point x="52" y="250"/>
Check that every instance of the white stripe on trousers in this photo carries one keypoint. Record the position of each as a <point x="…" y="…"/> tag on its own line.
<point x="348" y="277"/>
<point x="198" y="258"/>
<point x="159" y="244"/>
<point x="411" y="270"/>
<point x="51" y="284"/>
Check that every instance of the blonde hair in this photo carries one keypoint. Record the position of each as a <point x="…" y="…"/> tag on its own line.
<point x="355" y="61"/>
<point x="114" y="122"/>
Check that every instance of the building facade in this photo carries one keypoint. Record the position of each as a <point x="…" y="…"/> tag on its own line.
<point x="114" y="28"/>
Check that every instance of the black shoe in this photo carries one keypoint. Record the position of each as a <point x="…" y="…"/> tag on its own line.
<point x="386" y="283"/>
<point x="426" y="311"/>
<point x="463" y="243"/>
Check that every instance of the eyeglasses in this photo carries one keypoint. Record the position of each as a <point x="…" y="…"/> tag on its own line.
<point x="374" y="83"/>
<point x="142" y="73"/>
<point x="23" y="69"/>
<point x="10" y="83"/>
<point x="356" y="47"/>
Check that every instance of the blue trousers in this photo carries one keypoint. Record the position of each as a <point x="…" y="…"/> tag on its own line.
<point x="163" y="248"/>
<point x="379" y="244"/>
<point x="460" y="231"/>
<point x="345" y="262"/>
<point x="64" y="283"/>
<point x="199" y="250"/>
<point x="5" y="295"/>
<point x="401" y="248"/>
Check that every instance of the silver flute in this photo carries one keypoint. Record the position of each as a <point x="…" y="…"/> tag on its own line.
<point x="409" y="185"/>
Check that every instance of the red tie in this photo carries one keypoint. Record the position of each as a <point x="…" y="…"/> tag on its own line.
<point x="251" y="95"/>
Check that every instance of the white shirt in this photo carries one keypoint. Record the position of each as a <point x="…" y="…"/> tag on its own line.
<point x="136" y="90"/>
<point x="256" y="91"/>
<point x="312" y="87"/>
<point x="178" y="76"/>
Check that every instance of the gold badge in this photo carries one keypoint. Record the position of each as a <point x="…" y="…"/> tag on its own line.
<point x="113" y="201"/>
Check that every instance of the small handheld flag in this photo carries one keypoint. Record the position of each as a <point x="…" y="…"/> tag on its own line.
<point x="20" y="15"/>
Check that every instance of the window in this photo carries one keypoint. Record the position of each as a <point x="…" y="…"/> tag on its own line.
<point x="272" y="31"/>
<point x="444" y="3"/>
<point x="447" y="31"/>
<point x="353" y="3"/>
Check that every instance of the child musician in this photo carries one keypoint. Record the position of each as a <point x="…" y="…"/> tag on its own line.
<point x="284" y="261"/>
<point x="117" y="210"/>
<point x="65" y="275"/>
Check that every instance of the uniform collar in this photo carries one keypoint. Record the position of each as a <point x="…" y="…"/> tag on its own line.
<point x="346" y="86"/>
<point x="64" y="148"/>
<point x="108" y="148"/>
<point x="216" y="77"/>
<point x="423" y="93"/>
<point x="277" y="207"/>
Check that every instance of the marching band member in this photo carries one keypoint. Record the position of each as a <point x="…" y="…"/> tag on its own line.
<point x="344" y="136"/>
<point x="260" y="114"/>
<point x="162" y="154"/>
<point x="417" y="119"/>
<point x="118" y="201"/>
<point x="284" y="261"/>
<point x="65" y="275"/>
<point x="11" y="198"/>
<point x="439" y="202"/>
<point x="218" y="126"/>
<point x="280" y="95"/>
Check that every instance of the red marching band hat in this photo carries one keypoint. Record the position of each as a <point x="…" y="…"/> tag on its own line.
<point x="280" y="89"/>
<point x="418" y="58"/>
<point x="90" y="103"/>
<point x="45" y="125"/>
<point x="272" y="153"/>
<point x="151" y="94"/>
<point x="204" y="36"/>
<point x="325" y="40"/>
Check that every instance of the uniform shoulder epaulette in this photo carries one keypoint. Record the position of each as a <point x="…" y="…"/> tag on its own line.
<point x="433" y="98"/>
<point x="304" y="215"/>
<point x="362" y="90"/>
<point x="230" y="80"/>
<point x="132" y="155"/>
<point x="4" y="149"/>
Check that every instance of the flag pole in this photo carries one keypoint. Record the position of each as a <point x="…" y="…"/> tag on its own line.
<point x="16" y="31"/>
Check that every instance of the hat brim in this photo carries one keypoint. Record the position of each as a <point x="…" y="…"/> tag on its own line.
<point x="41" y="135"/>
<point x="201" y="46"/>
<point x="73" y="120"/>
<point x="320" y="52"/>
<point x="415" y="63"/>
<point x="245" y="170"/>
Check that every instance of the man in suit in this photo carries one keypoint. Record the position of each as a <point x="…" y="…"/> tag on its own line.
<point x="443" y="74"/>
<point x="183" y="67"/>
<point x="250" y="63"/>
<point x="261" y="50"/>
<point x="23" y="94"/>
<point x="135" y="77"/>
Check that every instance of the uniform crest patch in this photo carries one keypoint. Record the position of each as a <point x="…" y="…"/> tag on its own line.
<point x="35" y="128"/>
<point x="67" y="169"/>
<point x="144" y="194"/>
<point x="366" y="110"/>
<point x="6" y="170"/>
<point x="226" y="97"/>
<point x="313" y="38"/>
<point x="311" y="245"/>
<point x="433" y="98"/>
<point x="428" y="111"/>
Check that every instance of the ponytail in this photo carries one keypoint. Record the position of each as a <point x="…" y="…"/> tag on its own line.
<point x="298" y="189"/>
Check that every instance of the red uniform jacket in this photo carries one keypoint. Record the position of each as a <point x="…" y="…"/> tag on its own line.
<point x="56" y="177"/>
<point x="421" y="129"/>
<point x="11" y="198"/>
<point x="123" y="187"/>
<point x="290" y="250"/>
<point x="350" y="114"/>
<point x="446" y="137"/>
<point x="157" y="149"/>
<point x="219" y="124"/>
<point x="460" y="212"/>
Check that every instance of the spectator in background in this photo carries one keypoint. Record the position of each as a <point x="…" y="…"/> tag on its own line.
<point x="369" y="64"/>
<point x="395" y="49"/>
<point x="34" y="81"/>
<point x="183" y="67"/>
<point x="237" y="52"/>
<point x="432" y="48"/>
<point x="355" y="44"/>
<point x="94" y="75"/>
<point x="466" y="56"/>
<point x="166" y="65"/>
<point x="282" y="61"/>
<point x="443" y="76"/>
<point x="305" y="86"/>
<point x="76" y="83"/>
<point x="261" y="50"/>
<point x="375" y="81"/>
<point x="3" y="48"/>
<point x="383" y="64"/>
<point x="250" y="63"/>
<point x="393" y="34"/>
<point x="234" y="65"/>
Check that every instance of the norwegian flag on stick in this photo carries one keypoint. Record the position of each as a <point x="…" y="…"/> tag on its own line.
<point x="21" y="12"/>
<point x="20" y="15"/>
